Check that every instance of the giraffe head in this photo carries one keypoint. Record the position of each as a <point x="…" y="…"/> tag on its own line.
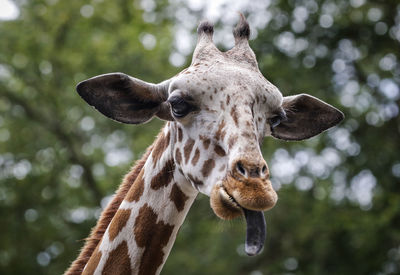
<point x="221" y="108"/>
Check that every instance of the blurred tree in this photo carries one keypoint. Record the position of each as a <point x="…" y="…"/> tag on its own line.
<point x="53" y="148"/>
<point x="339" y="206"/>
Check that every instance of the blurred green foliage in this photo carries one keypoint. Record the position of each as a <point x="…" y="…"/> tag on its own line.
<point x="339" y="193"/>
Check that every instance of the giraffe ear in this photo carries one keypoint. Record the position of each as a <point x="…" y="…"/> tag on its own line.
<point x="307" y="116"/>
<point x="126" y="99"/>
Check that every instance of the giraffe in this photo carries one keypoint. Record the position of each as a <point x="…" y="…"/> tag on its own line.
<point x="217" y="113"/>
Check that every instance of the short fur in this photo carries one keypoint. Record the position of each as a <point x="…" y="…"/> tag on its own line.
<point x="97" y="232"/>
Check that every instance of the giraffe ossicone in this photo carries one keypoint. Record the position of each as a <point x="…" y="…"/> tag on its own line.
<point x="218" y="111"/>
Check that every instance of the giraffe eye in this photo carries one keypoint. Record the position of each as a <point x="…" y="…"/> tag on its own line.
<point x="179" y="106"/>
<point x="275" y="121"/>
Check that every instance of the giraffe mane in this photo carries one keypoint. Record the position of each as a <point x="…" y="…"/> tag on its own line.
<point x="98" y="231"/>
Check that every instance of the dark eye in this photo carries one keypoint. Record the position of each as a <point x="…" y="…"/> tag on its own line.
<point x="179" y="106"/>
<point x="275" y="121"/>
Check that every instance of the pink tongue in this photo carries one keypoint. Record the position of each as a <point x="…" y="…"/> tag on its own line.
<point x="256" y="231"/>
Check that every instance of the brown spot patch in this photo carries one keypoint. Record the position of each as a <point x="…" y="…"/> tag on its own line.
<point x="228" y="99"/>
<point x="206" y="142"/>
<point x="207" y="167"/>
<point x="220" y="134"/>
<point x="194" y="180"/>
<point x="93" y="262"/>
<point x="160" y="146"/>
<point x="196" y="156"/>
<point x="178" y="197"/>
<point x="188" y="149"/>
<point x="210" y="110"/>
<point x="152" y="236"/>
<point x="180" y="134"/>
<point x="118" y="261"/>
<point x="118" y="222"/>
<point x="232" y="140"/>
<point x="235" y="116"/>
<point x="178" y="156"/>
<point x="136" y="191"/>
<point x="164" y="177"/>
<point x="248" y="135"/>
<point x="220" y="151"/>
<point x="222" y="106"/>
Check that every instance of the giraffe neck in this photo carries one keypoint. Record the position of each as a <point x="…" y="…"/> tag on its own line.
<point x="143" y="230"/>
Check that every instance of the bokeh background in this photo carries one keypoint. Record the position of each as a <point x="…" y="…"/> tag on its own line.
<point x="60" y="160"/>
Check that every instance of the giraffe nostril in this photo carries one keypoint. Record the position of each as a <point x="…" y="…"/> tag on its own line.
<point x="240" y="168"/>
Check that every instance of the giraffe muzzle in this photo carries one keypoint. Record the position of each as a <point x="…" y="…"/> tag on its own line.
<point x="229" y="196"/>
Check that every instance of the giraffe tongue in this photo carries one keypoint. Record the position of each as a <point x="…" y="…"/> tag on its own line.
<point x="256" y="231"/>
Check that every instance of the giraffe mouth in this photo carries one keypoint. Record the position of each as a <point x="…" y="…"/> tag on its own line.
<point x="256" y="226"/>
<point x="228" y="199"/>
